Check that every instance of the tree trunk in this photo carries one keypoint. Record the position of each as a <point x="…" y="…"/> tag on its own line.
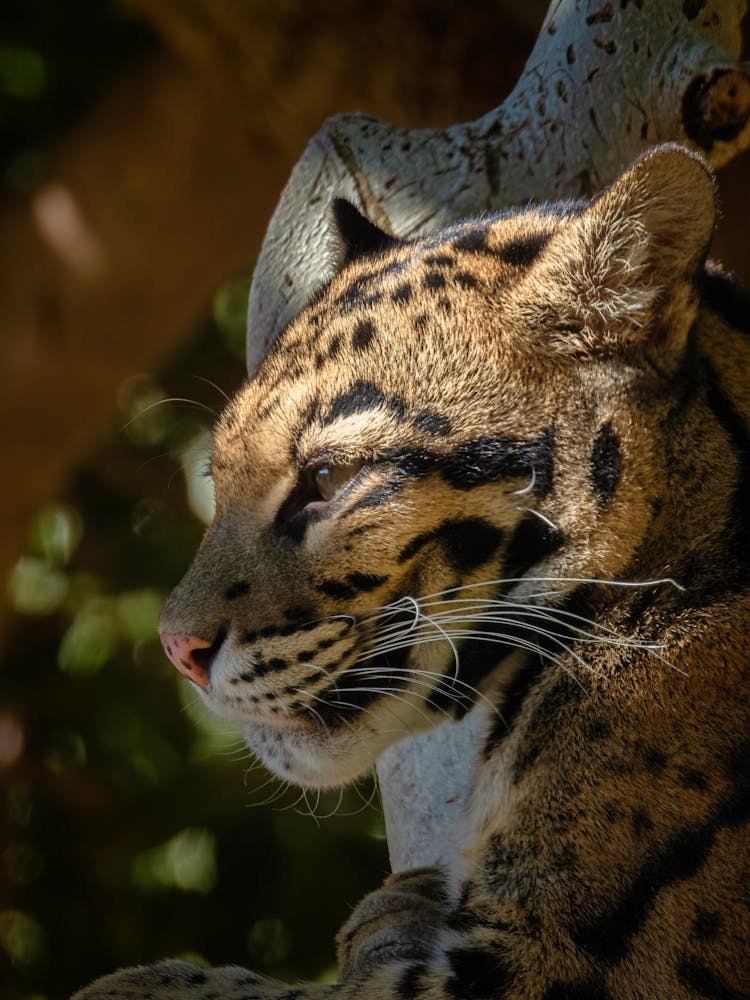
<point x="604" y="81"/>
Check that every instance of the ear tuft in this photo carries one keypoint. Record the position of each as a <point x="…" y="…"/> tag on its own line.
<point x="623" y="271"/>
<point x="358" y="236"/>
<point x="669" y="192"/>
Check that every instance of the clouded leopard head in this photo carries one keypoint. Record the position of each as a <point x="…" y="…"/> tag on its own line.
<point x="448" y="426"/>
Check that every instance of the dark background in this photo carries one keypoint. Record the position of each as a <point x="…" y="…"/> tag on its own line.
<point x="132" y="825"/>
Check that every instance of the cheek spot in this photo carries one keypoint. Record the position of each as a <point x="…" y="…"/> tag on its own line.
<point x="606" y="464"/>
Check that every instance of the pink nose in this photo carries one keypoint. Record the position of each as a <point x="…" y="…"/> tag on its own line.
<point x="192" y="656"/>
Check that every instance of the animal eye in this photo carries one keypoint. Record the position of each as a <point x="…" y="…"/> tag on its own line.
<point x="331" y="479"/>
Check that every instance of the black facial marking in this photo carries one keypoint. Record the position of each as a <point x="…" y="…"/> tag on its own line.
<point x="440" y="259"/>
<point x="359" y="236"/>
<point x="606" y="464"/>
<point x="403" y="294"/>
<point x="523" y="252"/>
<point x="477" y="973"/>
<point x="238" y="589"/>
<point x="364" y="331"/>
<point x="434" y="280"/>
<point x="365" y="582"/>
<point x="336" y="589"/>
<point x="297" y="615"/>
<point x="473" y="241"/>
<point x="488" y="459"/>
<point x="532" y="541"/>
<point x="466" y="542"/>
<point x="432" y="423"/>
<point x="465" y="279"/>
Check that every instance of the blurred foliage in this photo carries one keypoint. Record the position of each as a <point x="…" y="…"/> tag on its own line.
<point x="132" y="823"/>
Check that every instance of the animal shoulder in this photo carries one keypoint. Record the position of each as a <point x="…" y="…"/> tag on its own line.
<point x="503" y="469"/>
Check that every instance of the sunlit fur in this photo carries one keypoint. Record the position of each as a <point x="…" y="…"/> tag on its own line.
<point x="546" y="429"/>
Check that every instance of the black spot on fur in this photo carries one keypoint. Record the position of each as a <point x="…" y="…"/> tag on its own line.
<point x="473" y="241"/>
<point x="305" y="655"/>
<point x="297" y="615"/>
<point x="238" y="589"/>
<point x="477" y="974"/>
<point x="336" y="589"/>
<point x="363" y="334"/>
<point x="466" y="542"/>
<point x="276" y="663"/>
<point x="523" y="252"/>
<point x="606" y="464"/>
<point x="432" y="423"/>
<point x="403" y="294"/>
<point x="434" y="280"/>
<point x="440" y="259"/>
<point x="465" y="279"/>
<point x="421" y="324"/>
<point x="654" y="759"/>
<point x="642" y="822"/>
<point x="359" y="398"/>
<point x="560" y="699"/>
<point x="334" y="346"/>
<point x="706" y="982"/>
<point x="365" y="582"/>
<point x="692" y="779"/>
<point x="679" y="858"/>
<point x="706" y="925"/>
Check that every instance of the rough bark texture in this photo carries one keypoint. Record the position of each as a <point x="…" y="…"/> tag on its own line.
<point x="604" y="81"/>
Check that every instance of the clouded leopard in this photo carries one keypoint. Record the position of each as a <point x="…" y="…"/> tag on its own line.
<point x="511" y="462"/>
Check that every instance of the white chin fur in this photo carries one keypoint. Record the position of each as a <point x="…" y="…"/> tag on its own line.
<point x="306" y="758"/>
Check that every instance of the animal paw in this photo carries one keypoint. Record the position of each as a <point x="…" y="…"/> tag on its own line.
<point x="175" y="980"/>
<point x="397" y="922"/>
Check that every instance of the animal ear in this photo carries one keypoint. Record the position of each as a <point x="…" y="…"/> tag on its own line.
<point x="624" y="269"/>
<point x="358" y="237"/>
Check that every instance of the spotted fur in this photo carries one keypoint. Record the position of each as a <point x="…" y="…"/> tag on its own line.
<point x="543" y="420"/>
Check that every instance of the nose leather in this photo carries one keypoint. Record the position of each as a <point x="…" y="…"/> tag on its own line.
<point x="181" y="649"/>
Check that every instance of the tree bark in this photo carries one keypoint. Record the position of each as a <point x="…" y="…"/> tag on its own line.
<point x="604" y="81"/>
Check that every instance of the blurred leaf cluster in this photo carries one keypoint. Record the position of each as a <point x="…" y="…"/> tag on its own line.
<point x="132" y="824"/>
